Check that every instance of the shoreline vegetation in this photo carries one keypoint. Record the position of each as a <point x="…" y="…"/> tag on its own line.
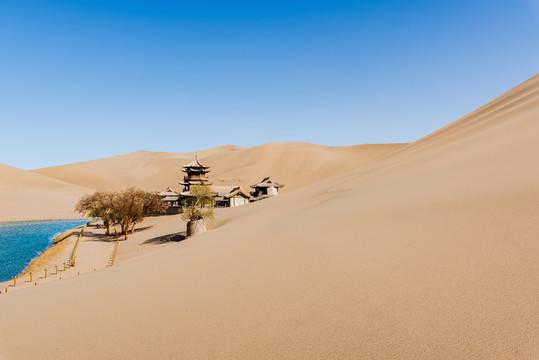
<point x="57" y="249"/>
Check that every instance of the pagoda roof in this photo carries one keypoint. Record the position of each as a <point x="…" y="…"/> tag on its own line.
<point x="266" y="182"/>
<point x="171" y="198"/>
<point x="195" y="164"/>
<point x="169" y="192"/>
<point x="195" y="182"/>
<point x="235" y="191"/>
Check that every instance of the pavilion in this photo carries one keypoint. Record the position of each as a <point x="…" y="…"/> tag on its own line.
<point x="265" y="189"/>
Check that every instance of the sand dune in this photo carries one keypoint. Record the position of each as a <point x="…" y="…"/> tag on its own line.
<point x="146" y="169"/>
<point x="293" y="164"/>
<point x="430" y="253"/>
<point x="24" y="194"/>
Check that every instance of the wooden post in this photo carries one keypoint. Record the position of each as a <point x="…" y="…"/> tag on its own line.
<point x="45" y="273"/>
<point x="14" y="281"/>
<point x="56" y="269"/>
<point x="64" y="266"/>
<point x="30" y="277"/>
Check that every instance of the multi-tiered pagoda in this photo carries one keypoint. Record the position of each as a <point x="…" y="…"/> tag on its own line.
<point x="225" y="196"/>
<point x="195" y="174"/>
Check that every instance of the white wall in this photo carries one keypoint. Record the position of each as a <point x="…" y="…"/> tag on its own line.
<point x="238" y="201"/>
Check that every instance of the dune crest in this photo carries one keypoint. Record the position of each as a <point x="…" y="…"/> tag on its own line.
<point x="428" y="253"/>
<point x="26" y="195"/>
<point x="293" y="164"/>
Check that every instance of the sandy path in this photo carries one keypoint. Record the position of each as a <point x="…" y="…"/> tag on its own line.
<point x="96" y="249"/>
<point x="53" y="257"/>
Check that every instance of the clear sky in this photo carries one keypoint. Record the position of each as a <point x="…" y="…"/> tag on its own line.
<point x="81" y="80"/>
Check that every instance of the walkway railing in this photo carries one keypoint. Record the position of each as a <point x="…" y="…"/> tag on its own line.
<point x="73" y="257"/>
<point x="115" y="248"/>
<point x="33" y="276"/>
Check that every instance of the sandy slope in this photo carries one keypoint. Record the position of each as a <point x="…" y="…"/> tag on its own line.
<point x="24" y="194"/>
<point x="293" y="164"/>
<point x="430" y="253"/>
<point x="53" y="192"/>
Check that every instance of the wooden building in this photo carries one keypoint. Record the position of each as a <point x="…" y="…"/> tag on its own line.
<point x="172" y="198"/>
<point x="225" y="196"/>
<point x="195" y="174"/>
<point x="265" y="189"/>
<point x="230" y="196"/>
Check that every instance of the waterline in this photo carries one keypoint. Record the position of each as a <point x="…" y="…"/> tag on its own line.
<point x="23" y="241"/>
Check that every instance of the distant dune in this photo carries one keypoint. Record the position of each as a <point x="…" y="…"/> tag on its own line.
<point x="24" y="194"/>
<point x="429" y="253"/>
<point x="292" y="164"/>
<point x="53" y="192"/>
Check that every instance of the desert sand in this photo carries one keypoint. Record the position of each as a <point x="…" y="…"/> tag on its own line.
<point x="53" y="192"/>
<point x="428" y="253"/>
<point x="25" y="195"/>
<point x="293" y="164"/>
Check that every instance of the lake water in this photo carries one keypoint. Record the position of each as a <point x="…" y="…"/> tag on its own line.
<point x="23" y="241"/>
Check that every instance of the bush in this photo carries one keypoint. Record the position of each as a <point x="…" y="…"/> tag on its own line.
<point x="200" y="205"/>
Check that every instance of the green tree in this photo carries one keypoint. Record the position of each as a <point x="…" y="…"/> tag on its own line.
<point x="200" y="205"/>
<point x="97" y="205"/>
<point x="125" y="208"/>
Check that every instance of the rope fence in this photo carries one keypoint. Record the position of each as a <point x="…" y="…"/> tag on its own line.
<point x="115" y="249"/>
<point x="45" y="273"/>
<point x="68" y="264"/>
<point x="72" y="261"/>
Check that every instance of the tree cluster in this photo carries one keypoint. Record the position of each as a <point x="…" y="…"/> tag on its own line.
<point x="124" y="208"/>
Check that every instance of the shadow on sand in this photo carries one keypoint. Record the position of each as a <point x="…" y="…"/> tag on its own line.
<point x="174" y="237"/>
<point x="110" y="238"/>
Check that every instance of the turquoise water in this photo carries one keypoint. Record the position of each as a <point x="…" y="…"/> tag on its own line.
<point x="23" y="241"/>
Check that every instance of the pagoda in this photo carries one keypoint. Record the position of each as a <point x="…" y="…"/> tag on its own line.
<point x="195" y="174"/>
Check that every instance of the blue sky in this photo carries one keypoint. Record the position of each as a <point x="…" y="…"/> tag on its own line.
<point x="81" y="80"/>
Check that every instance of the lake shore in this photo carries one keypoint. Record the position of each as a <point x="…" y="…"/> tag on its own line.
<point x="95" y="250"/>
<point x="58" y="250"/>
<point x="55" y="255"/>
<point x="22" y="219"/>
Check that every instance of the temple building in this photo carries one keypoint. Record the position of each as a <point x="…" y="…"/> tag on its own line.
<point x="195" y="174"/>
<point x="225" y="196"/>
<point x="265" y="189"/>
<point x="172" y="198"/>
<point x="230" y="196"/>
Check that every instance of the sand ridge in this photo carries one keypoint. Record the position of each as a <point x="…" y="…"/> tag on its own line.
<point x="293" y="164"/>
<point x="428" y="253"/>
<point x="26" y="195"/>
<point x="53" y="192"/>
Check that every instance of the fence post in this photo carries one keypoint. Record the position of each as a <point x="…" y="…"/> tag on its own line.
<point x="30" y="277"/>
<point x="45" y="273"/>
<point x="56" y="269"/>
<point x="64" y="266"/>
<point x="14" y="281"/>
